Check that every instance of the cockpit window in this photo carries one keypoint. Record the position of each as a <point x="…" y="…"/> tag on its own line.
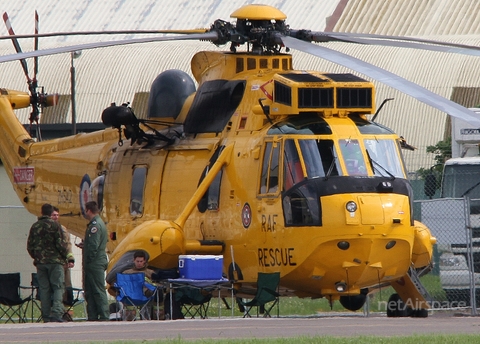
<point x="319" y="159"/>
<point x="353" y="157"/>
<point x="384" y="156"/>
<point x="312" y="159"/>
<point x="302" y="125"/>
<point x="367" y="127"/>
<point x="292" y="167"/>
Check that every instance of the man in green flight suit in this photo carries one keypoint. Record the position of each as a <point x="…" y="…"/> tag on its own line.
<point x="94" y="264"/>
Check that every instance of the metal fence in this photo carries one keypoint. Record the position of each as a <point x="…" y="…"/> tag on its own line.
<point x="455" y="222"/>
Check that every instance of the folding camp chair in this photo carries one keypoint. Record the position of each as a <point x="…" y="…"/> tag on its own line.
<point x="194" y="301"/>
<point x="74" y="297"/>
<point x="267" y="285"/>
<point x="11" y="302"/>
<point x="130" y="292"/>
<point x="35" y="299"/>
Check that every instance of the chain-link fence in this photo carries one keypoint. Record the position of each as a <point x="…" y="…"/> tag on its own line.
<point x="456" y="225"/>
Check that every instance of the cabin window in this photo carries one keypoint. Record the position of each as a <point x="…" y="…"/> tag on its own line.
<point x="137" y="191"/>
<point x="240" y="65"/>
<point x="214" y="192"/>
<point x="211" y="199"/>
<point x="251" y="63"/>
<point x="384" y="157"/>
<point x="269" y="177"/>
<point x="353" y="157"/>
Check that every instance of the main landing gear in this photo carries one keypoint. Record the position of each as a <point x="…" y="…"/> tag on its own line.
<point x="396" y="308"/>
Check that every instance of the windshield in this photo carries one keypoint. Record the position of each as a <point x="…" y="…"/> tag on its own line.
<point x="385" y="157"/>
<point x="319" y="159"/>
<point x="353" y="157"/>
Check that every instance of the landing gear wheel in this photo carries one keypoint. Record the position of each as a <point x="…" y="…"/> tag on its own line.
<point x="353" y="302"/>
<point x="396" y="308"/>
<point x="420" y="313"/>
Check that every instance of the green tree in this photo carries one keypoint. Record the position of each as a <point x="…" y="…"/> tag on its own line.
<point x="433" y="175"/>
<point x="442" y="151"/>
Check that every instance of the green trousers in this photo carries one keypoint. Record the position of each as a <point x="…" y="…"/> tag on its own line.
<point x="95" y="293"/>
<point x="51" y="284"/>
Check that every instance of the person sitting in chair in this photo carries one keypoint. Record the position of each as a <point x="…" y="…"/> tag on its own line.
<point x="140" y="265"/>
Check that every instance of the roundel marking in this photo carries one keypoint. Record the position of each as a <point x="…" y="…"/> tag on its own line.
<point x="246" y="215"/>
<point x="84" y="192"/>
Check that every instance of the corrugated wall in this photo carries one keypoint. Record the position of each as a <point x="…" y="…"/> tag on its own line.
<point x="411" y="17"/>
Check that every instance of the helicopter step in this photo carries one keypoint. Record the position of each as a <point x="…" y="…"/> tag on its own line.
<point x="412" y="298"/>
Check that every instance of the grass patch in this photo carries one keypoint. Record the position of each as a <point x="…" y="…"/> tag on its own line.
<point x="306" y="306"/>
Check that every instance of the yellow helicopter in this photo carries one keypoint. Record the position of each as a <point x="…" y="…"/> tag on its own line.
<point x="277" y="169"/>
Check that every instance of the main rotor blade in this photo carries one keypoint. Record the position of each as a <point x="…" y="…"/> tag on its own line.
<point x="424" y="44"/>
<point x="209" y="36"/>
<point x="15" y="44"/>
<point x="382" y="40"/>
<point x="113" y="32"/>
<point x="387" y="78"/>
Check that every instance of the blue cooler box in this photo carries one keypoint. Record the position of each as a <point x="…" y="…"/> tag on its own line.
<point x="200" y="267"/>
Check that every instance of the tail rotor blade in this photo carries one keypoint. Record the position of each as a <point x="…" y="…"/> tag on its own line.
<point x="35" y="47"/>
<point x="16" y="44"/>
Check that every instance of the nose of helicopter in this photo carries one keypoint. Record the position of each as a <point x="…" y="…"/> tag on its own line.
<point x="164" y="241"/>
<point x="369" y="261"/>
<point x="356" y="262"/>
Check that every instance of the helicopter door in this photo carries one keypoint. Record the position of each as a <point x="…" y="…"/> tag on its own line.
<point x="293" y="171"/>
<point x="269" y="178"/>
<point x="304" y="161"/>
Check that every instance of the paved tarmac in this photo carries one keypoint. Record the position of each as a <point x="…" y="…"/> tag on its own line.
<point x="214" y="328"/>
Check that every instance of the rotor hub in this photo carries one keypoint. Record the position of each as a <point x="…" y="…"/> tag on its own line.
<point x="258" y="12"/>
